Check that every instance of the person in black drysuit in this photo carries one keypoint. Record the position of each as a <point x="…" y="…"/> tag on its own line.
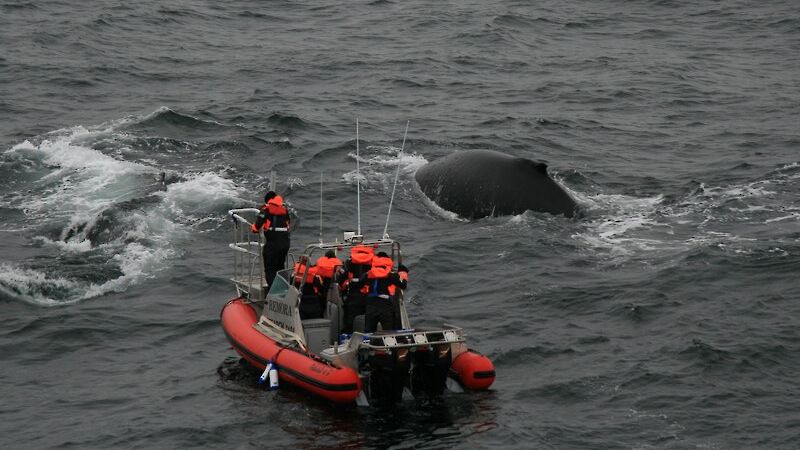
<point x="273" y="219"/>
<point x="380" y="288"/>
<point x="312" y="302"/>
<point x="355" y="270"/>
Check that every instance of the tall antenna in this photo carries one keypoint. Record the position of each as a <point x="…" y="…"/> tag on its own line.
<point x="396" y="175"/>
<point x="272" y="180"/>
<point x="320" y="207"/>
<point x="358" y="183"/>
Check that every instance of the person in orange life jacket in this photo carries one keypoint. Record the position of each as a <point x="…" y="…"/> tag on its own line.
<point x="329" y="268"/>
<point x="380" y="288"/>
<point x="311" y="300"/>
<point x="274" y="220"/>
<point x="355" y="268"/>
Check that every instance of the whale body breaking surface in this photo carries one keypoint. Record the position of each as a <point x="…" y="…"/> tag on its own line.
<point x="482" y="183"/>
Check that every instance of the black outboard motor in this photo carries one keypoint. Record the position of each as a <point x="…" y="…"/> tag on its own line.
<point x="429" y="375"/>
<point x="389" y="375"/>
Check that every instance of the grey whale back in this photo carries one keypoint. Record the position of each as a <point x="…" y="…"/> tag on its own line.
<point x="481" y="183"/>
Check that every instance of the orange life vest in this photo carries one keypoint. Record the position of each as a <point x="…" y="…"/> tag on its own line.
<point x="298" y="273"/>
<point x="360" y="258"/>
<point x="362" y="254"/>
<point x="312" y="272"/>
<point x="326" y="266"/>
<point x="277" y="217"/>
<point x="381" y="268"/>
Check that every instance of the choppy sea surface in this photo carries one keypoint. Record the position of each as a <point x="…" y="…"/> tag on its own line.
<point x="668" y="316"/>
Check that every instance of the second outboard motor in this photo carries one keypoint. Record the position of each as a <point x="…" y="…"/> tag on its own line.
<point x="429" y="375"/>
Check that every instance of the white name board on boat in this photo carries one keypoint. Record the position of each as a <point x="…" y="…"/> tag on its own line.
<point x="281" y="312"/>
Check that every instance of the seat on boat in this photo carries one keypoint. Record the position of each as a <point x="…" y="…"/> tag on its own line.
<point x="334" y="312"/>
<point x="317" y="334"/>
<point x="358" y="323"/>
<point x="311" y="307"/>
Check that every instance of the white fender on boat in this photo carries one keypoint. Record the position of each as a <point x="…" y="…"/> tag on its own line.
<point x="265" y="375"/>
<point x="273" y="376"/>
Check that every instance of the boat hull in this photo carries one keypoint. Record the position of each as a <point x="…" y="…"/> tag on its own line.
<point x="340" y="385"/>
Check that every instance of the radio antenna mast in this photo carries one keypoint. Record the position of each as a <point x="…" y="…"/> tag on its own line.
<point x="320" y="207"/>
<point x="394" y="188"/>
<point x="358" y="183"/>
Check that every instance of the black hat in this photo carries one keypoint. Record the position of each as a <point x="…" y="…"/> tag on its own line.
<point x="269" y="196"/>
<point x="330" y="254"/>
<point x="383" y="254"/>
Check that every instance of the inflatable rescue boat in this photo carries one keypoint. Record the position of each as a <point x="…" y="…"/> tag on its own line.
<point x="264" y="326"/>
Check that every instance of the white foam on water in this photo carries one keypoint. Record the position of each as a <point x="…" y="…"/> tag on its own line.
<point x="33" y="286"/>
<point x="201" y="194"/>
<point x="625" y="225"/>
<point x="136" y="262"/>
<point x="85" y="184"/>
<point x="792" y="216"/>
<point x="353" y="178"/>
<point x="71" y="246"/>
<point x="617" y="202"/>
<point x="21" y="147"/>
<point x="750" y="190"/>
<point x="83" y="180"/>
<point x="750" y="208"/>
<point x="379" y="165"/>
<point x="147" y="241"/>
<point x="293" y="182"/>
<point x="519" y="219"/>
<point x="390" y="156"/>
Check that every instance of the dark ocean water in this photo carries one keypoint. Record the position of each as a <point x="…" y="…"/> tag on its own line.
<point x="667" y="317"/>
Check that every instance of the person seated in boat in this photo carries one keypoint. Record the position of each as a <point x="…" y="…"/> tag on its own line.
<point x="380" y="289"/>
<point x="355" y="269"/>
<point x="274" y="220"/>
<point x="311" y="300"/>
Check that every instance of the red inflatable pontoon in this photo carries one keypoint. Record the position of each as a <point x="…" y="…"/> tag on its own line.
<point x="474" y="370"/>
<point x="340" y="385"/>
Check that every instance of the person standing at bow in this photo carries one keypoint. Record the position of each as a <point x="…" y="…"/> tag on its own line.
<point x="273" y="219"/>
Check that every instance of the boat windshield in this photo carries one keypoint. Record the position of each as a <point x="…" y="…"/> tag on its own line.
<point x="280" y="285"/>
